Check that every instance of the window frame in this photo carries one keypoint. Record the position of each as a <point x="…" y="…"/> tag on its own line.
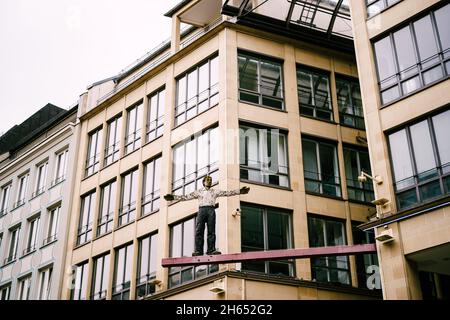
<point x="128" y="209"/>
<point x="158" y="127"/>
<point x="22" y="189"/>
<point x="385" y="3"/>
<point x="61" y="162"/>
<point x="104" y="276"/>
<point x="125" y="285"/>
<point x="108" y="219"/>
<point x="24" y="283"/>
<point x="45" y="281"/>
<point x="261" y="58"/>
<point x="52" y="226"/>
<point x="81" y="293"/>
<point x="41" y="179"/>
<point x="92" y="164"/>
<point x="6" y="189"/>
<point x="134" y="142"/>
<point x="13" y="248"/>
<point x="212" y="91"/>
<point x="155" y="195"/>
<point x="361" y="186"/>
<point x="350" y="83"/>
<point x="146" y="282"/>
<point x="112" y="148"/>
<point x="5" y="291"/>
<point x="86" y="230"/>
<point x="418" y="65"/>
<point x="33" y="232"/>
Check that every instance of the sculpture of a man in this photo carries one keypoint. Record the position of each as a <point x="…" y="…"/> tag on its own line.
<point x="206" y="214"/>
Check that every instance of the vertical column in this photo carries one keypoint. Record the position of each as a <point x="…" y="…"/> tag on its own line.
<point x="175" y="39"/>
<point x="296" y="176"/>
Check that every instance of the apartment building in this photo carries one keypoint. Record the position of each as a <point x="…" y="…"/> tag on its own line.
<point x="36" y="164"/>
<point x="402" y="50"/>
<point x="251" y="100"/>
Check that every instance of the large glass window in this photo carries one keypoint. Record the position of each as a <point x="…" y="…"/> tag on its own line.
<point x="4" y="200"/>
<point x="260" y="81"/>
<point x="122" y="273"/>
<point x="24" y="288"/>
<point x="264" y="229"/>
<point x="52" y="227"/>
<point x="365" y="263"/>
<point x="182" y="245"/>
<point x="324" y="232"/>
<point x="33" y="229"/>
<point x="79" y="289"/>
<point x="420" y="156"/>
<point x="414" y="56"/>
<point x="84" y="233"/>
<point x="107" y="208"/>
<point x="134" y="126"/>
<point x="61" y="167"/>
<point x="45" y="283"/>
<point x="321" y="167"/>
<point x="13" y="245"/>
<point x="22" y="190"/>
<point x="100" y="277"/>
<point x="376" y="6"/>
<point x="113" y="140"/>
<point x="193" y="159"/>
<point x="357" y="160"/>
<point x="93" y="153"/>
<point x="314" y="94"/>
<point x="350" y="103"/>
<point x="155" y="115"/>
<point x="146" y="266"/>
<point x="41" y="179"/>
<point x="263" y="155"/>
<point x="127" y="210"/>
<point x="151" y="188"/>
<point x="197" y="90"/>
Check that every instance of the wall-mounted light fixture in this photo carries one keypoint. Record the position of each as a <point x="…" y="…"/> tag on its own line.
<point x="363" y="178"/>
<point x="385" y="236"/>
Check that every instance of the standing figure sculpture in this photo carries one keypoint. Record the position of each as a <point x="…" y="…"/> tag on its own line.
<point x="206" y="214"/>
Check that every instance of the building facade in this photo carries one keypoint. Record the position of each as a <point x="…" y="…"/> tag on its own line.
<point x="279" y="112"/>
<point x="35" y="177"/>
<point x="403" y="50"/>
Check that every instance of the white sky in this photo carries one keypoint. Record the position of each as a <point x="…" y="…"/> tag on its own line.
<point x="51" y="50"/>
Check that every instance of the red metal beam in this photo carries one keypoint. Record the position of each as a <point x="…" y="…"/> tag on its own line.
<point x="271" y="255"/>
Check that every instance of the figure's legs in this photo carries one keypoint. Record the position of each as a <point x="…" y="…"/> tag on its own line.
<point x="211" y="221"/>
<point x="200" y="230"/>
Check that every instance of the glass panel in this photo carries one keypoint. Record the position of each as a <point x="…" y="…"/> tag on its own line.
<point x="271" y="79"/>
<point x="425" y="41"/>
<point x="385" y="61"/>
<point x="175" y="248"/>
<point x="430" y="190"/>
<point x="443" y="24"/>
<point x="401" y="160"/>
<point x="432" y="75"/>
<point x="277" y="226"/>
<point x="252" y="232"/>
<point x="410" y="85"/>
<point x="390" y="94"/>
<point x="407" y="198"/>
<point x="188" y="238"/>
<point x="248" y="73"/>
<point x="423" y="150"/>
<point x="441" y="124"/>
<point x="406" y="57"/>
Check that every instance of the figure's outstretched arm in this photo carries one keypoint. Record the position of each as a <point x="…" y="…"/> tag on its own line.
<point x="190" y="196"/>
<point x="242" y="190"/>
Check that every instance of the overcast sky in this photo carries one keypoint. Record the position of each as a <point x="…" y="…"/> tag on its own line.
<point x="51" y="50"/>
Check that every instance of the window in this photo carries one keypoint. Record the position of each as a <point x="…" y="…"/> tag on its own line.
<point x="122" y="273"/>
<point x="414" y="56"/>
<point x="24" y="288"/>
<point x="263" y="155"/>
<point x="4" y="200"/>
<point x="45" y="281"/>
<point x="420" y="157"/>
<point x="193" y="159"/>
<point x="5" y="292"/>
<point x="22" y="190"/>
<point x="151" y="188"/>
<point x="13" y="245"/>
<point x="376" y="6"/>
<point x="113" y="140"/>
<point x="321" y="167"/>
<point x="80" y="286"/>
<point x="61" y="167"/>
<point x="356" y="161"/>
<point x="350" y="103"/>
<point x="364" y="261"/>
<point x="100" y="277"/>
<point x="107" y="208"/>
<point x="134" y="125"/>
<point x="197" y="90"/>
<point x="93" y="154"/>
<point x="182" y="243"/>
<point x="155" y="115"/>
<point x="264" y="228"/>
<point x="324" y="232"/>
<point x="127" y="210"/>
<point x="52" y="229"/>
<point x="33" y="230"/>
<point x="146" y="266"/>
<point x="260" y="81"/>
<point x="84" y="233"/>
<point x="314" y="94"/>
<point x="41" y="179"/>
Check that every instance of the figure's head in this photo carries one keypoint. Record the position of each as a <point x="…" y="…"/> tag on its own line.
<point x="207" y="181"/>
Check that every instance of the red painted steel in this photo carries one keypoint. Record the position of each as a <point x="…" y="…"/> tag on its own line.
<point x="271" y="255"/>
